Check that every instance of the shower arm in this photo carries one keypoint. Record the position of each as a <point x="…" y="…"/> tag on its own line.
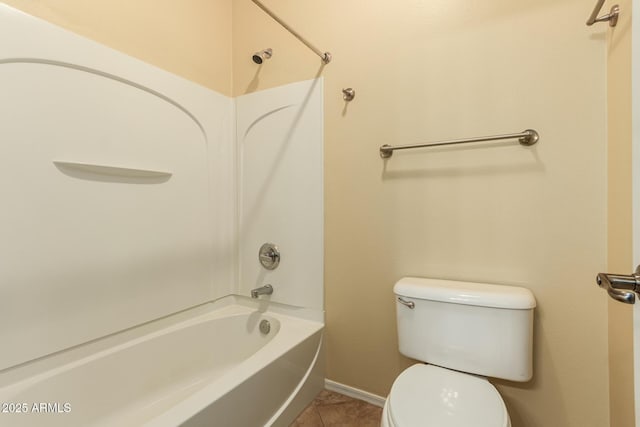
<point x="325" y="56"/>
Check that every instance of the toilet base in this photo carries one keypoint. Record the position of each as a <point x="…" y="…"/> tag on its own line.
<point x="385" y="421"/>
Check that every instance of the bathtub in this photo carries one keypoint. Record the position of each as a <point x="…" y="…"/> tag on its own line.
<point x="208" y="366"/>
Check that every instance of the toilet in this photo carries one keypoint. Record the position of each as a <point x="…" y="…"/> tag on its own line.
<point x="464" y="332"/>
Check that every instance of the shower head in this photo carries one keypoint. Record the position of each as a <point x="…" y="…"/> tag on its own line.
<point x="259" y="57"/>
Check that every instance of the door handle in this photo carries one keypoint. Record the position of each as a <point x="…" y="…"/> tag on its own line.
<point x="621" y="287"/>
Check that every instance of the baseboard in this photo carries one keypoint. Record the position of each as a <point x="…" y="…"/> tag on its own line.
<point x="354" y="392"/>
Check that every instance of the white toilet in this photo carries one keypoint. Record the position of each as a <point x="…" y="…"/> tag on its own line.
<point x="465" y="332"/>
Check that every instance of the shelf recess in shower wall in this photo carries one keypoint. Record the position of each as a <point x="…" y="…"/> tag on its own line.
<point x="116" y="171"/>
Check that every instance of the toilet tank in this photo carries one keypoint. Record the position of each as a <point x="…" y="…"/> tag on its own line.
<point x="477" y="328"/>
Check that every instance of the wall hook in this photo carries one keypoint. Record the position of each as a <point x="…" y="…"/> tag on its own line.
<point x="348" y="94"/>
<point x="612" y="16"/>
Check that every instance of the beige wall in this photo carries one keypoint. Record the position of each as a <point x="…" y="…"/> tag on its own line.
<point x="191" y="38"/>
<point x="619" y="229"/>
<point x="427" y="70"/>
<point x="430" y="70"/>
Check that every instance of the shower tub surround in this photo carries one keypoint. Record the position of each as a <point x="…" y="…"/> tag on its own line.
<point x="132" y="223"/>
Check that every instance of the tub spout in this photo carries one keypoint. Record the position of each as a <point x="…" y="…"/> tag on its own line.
<point x="262" y="290"/>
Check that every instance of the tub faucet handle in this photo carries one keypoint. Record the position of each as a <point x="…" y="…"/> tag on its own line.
<point x="269" y="256"/>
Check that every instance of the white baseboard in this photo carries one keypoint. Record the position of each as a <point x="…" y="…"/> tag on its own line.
<point x="354" y="392"/>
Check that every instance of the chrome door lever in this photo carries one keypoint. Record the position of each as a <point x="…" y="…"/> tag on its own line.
<point x="621" y="287"/>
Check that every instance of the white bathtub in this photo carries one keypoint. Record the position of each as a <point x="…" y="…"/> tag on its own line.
<point x="209" y="366"/>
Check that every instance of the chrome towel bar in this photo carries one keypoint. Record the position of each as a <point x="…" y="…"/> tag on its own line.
<point x="527" y="137"/>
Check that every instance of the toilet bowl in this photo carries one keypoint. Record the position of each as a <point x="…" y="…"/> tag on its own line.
<point x="431" y="396"/>
<point x="464" y="332"/>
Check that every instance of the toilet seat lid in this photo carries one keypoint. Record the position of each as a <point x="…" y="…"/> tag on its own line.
<point x="426" y="395"/>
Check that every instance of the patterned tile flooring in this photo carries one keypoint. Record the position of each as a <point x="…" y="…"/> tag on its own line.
<point x="330" y="409"/>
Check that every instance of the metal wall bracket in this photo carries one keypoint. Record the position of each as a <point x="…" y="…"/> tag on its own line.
<point x="611" y="17"/>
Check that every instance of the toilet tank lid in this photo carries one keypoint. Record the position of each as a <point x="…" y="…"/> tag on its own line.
<point x="466" y="293"/>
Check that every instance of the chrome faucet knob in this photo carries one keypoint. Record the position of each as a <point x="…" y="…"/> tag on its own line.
<point x="269" y="256"/>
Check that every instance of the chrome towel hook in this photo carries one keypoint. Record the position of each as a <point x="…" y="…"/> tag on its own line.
<point x="348" y="94"/>
<point x="612" y="16"/>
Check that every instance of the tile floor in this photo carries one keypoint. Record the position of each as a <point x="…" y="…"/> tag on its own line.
<point x="330" y="409"/>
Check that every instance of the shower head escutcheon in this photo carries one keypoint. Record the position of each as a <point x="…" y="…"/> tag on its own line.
<point x="259" y="57"/>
